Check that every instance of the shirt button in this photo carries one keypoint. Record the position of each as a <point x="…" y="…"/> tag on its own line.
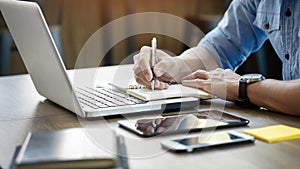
<point x="287" y="56"/>
<point x="267" y="25"/>
<point x="288" y="13"/>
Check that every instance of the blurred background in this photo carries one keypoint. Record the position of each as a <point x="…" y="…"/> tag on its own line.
<point x="72" y="22"/>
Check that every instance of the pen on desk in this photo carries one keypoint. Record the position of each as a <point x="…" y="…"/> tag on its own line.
<point x="153" y="61"/>
<point x="122" y="152"/>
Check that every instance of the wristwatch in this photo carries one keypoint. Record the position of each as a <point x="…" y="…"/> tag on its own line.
<point x="244" y="82"/>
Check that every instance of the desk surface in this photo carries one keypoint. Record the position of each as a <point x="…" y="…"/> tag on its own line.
<point x="23" y="110"/>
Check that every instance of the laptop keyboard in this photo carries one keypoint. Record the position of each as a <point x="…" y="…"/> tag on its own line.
<point x="102" y="97"/>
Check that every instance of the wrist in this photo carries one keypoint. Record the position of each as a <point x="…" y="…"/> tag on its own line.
<point x="183" y="67"/>
<point x="235" y="92"/>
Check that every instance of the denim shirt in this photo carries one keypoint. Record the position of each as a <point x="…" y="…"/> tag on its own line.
<point x="247" y="24"/>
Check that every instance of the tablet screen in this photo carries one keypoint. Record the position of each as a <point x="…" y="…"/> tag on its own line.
<point x="182" y="123"/>
<point x="176" y="123"/>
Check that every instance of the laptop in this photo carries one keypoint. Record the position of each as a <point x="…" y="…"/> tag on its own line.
<point x="43" y="62"/>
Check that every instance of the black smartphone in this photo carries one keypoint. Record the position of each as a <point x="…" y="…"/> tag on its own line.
<point x="189" y="122"/>
<point x="205" y="141"/>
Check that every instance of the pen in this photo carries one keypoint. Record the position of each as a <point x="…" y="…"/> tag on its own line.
<point x="153" y="61"/>
<point x="121" y="152"/>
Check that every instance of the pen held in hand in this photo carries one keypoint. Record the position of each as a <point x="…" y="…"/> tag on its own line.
<point x="153" y="61"/>
<point x="153" y="79"/>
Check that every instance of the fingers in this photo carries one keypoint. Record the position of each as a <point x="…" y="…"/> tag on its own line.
<point x="199" y="74"/>
<point x="219" y="82"/>
<point x="199" y="79"/>
<point x="142" y="68"/>
<point x="143" y="124"/>
<point x="142" y="64"/>
<point x="196" y="83"/>
<point x="149" y="126"/>
<point x="161" y="129"/>
<point x="158" y="84"/>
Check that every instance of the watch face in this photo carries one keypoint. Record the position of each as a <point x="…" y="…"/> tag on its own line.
<point x="250" y="78"/>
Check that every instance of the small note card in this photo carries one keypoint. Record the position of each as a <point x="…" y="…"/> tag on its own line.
<point x="275" y="133"/>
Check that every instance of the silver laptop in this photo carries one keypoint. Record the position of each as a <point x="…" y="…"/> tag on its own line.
<point x="48" y="73"/>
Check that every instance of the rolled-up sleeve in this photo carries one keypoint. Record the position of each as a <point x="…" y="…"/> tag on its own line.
<point x="235" y="37"/>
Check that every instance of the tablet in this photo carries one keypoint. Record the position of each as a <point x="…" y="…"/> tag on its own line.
<point x="188" y="122"/>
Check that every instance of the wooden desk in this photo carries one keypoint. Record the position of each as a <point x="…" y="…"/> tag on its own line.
<point x="22" y="110"/>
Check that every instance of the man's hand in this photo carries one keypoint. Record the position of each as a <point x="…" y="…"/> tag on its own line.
<point x="160" y="125"/>
<point x="165" y="70"/>
<point x="219" y="82"/>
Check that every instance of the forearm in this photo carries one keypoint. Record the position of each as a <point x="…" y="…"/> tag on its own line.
<point x="281" y="96"/>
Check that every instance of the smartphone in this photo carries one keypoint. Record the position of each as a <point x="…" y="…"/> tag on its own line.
<point x="205" y="141"/>
<point x="205" y="119"/>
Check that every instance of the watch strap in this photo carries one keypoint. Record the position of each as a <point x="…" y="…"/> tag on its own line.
<point x="243" y="84"/>
<point x="243" y="99"/>
<point x="243" y="90"/>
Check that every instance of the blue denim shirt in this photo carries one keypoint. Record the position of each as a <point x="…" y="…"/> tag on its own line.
<point x="247" y="24"/>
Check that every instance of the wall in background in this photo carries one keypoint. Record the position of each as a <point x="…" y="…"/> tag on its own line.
<point x="79" y="19"/>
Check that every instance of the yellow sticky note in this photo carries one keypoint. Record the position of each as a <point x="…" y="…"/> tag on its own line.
<point x="275" y="133"/>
